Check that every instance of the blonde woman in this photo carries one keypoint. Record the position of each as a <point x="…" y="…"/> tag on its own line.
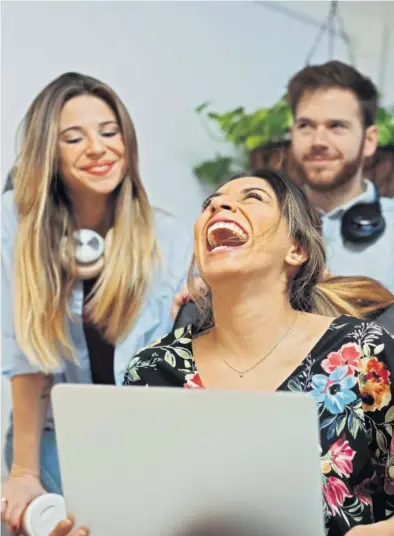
<point x="89" y="270"/>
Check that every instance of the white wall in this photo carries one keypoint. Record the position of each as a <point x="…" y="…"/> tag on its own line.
<point x="164" y="58"/>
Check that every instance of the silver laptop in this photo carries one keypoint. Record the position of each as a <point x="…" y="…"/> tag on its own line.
<point x="139" y="461"/>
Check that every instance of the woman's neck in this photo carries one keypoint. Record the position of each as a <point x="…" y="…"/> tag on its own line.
<point x="250" y="319"/>
<point x="93" y="212"/>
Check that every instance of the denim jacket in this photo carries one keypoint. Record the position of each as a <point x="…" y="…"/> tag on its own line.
<point x="154" y="319"/>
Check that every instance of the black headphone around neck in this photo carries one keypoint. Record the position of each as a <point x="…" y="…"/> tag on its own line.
<point x="364" y="223"/>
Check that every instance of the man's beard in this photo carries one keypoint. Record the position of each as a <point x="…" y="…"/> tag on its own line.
<point x="344" y="176"/>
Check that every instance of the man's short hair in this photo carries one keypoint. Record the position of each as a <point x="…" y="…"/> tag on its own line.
<point x="335" y="74"/>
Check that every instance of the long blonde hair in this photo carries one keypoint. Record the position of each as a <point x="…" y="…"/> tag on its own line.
<point x="312" y="289"/>
<point x="358" y="296"/>
<point x="42" y="288"/>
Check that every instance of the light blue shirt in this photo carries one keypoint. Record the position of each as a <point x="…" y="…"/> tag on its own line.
<point x="154" y="319"/>
<point x="374" y="260"/>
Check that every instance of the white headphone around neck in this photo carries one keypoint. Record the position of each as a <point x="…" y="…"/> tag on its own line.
<point x="91" y="252"/>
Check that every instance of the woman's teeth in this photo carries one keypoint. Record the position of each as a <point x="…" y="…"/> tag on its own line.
<point x="219" y="237"/>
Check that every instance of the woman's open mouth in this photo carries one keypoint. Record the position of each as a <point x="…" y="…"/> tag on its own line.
<point x="225" y="235"/>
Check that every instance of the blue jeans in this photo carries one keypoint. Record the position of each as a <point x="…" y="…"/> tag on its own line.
<point x="49" y="461"/>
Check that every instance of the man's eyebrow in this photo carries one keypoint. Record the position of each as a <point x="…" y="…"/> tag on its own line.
<point x="303" y="120"/>
<point x="346" y="122"/>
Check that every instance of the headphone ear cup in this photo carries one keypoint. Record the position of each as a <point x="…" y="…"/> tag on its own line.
<point x="90" y="271"/>
<point x="64" y="260"/>
<point x="85" y="271"/>
<point x="363" y="223"/>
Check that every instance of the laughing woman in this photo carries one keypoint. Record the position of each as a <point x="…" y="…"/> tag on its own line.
<point x="258" y="247"/>
<point x="89" y="269"/>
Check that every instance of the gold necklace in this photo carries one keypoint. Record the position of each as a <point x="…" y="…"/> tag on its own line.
<point x="241" y="373"/>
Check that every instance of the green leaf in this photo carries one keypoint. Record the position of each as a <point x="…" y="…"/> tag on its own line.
<point x="385" y="123"/>
<point x="353" y="425"/>
<point x="254" y="141"/>
<point x="390" y="415"/>
<point x="227" y="120"/>
<point x="378" y="349"/>
<point x="381" y="440"/>
<point x="341" y="425"/>
<point x="170" y="358"/>
<point x="294" y="385"/>
<point x="214" y="172"/>
<point x="238" y="131"/>
<point x="259" y="116"/>
<point x="386" y="135"/>
<point x="214" y="115"/>
<point x="183" y="353"/>
<point x="201" y="107"/>
<point x="133" y="374"/>
<point x="179" y="332"/>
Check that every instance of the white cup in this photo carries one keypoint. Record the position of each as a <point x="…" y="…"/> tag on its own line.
<point x="43" y="514"/>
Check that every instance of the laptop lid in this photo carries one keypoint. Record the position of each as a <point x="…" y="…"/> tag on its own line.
<point x="168" y="462"/>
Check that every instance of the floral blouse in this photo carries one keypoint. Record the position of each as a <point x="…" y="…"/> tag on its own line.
<point x="350" y="374"/>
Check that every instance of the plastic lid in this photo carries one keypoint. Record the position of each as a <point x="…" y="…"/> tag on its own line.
<point x="43" y="514"/>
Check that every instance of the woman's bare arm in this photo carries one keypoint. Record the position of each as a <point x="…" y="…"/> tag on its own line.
<point x="30" y="399"/>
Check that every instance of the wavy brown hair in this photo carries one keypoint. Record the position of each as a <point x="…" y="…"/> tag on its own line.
<point x="338" y="75"/>
<point x="42" y="287"/>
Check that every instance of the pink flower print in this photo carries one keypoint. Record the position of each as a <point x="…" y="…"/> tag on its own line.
<point x="341" y="456"/>
<point x="348" y="355"/>
<point x="335" y="492"/>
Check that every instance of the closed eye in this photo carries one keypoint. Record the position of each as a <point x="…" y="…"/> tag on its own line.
<point x="255" y="195"/>
<point x="206" y="204"/>
<point x="109" y="134"/>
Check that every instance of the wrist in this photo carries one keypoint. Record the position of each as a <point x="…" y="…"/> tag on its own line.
<point x="19" y="470"/>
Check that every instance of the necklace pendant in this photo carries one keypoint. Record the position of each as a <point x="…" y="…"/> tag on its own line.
<point x="241" y="375"/>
